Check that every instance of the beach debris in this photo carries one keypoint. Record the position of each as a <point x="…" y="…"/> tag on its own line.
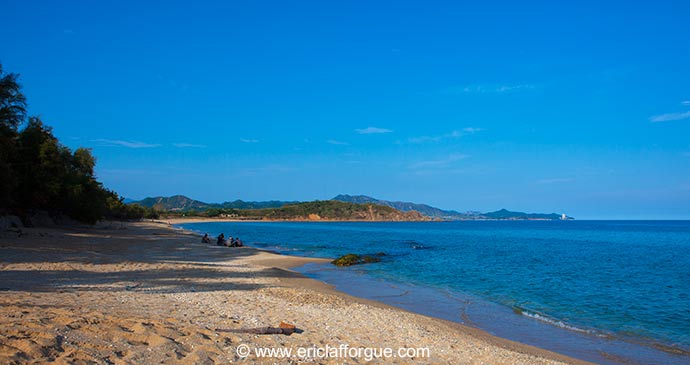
<point x="132" y="287"/>
<point x="353" y="259"/>
<point x="282" y="329"/>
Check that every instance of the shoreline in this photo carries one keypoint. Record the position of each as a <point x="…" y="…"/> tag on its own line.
<point x="291" y="262"/>
<point x="173" y="221"/>
<point x="588" y="344"/>
<point x="498" y="320"/>
<point x="148" y="286"/>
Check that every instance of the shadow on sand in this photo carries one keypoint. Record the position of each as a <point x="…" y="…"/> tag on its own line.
<point x="140" y="258"/>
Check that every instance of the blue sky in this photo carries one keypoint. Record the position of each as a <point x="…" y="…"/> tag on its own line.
<point x="571" y="107"/>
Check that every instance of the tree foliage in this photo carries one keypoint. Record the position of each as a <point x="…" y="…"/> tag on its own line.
<point x="38" y="173"/>
<point x="12" y="113"/>
<point x="12" y="102"/>
<point x="325" y="209"/>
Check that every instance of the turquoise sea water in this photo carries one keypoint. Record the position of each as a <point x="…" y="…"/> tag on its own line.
<point x="622" y="280"/>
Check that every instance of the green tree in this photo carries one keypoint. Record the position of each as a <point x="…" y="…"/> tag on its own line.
<point x="12" y="114"/>
<point x="12" y="102"/>
<point x="54" y="179"/>
<point x="41" y="168"/>
<point x="37" y="172"/>
<point x="117" y="209"/>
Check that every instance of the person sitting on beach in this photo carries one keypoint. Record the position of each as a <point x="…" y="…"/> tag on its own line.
<point x="205" y="239"/>
<point x="221" y="240"/>
<point x="229" y="242"/>
<point x="236" y="242"/>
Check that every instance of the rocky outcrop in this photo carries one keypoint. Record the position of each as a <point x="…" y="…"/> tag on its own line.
<point x="9" y="222"/>
<point x="41" y="219"/>
<point x="314" y="217"/>
<point x="352" y="259"/>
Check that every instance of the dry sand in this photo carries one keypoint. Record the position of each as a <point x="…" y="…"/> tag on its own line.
<point x="144" y="293"/>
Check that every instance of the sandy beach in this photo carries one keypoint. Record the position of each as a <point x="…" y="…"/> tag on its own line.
<point x="144" y="293"/>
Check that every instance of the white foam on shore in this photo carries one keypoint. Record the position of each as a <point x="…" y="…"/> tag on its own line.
<point x="554" y="322"/>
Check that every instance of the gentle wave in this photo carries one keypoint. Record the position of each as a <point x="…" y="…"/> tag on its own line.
<point x="555" y="322"/>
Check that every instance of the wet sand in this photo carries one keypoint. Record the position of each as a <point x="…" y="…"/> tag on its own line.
<point x="144" y="293"/>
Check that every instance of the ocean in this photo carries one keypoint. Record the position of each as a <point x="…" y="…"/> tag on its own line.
<point x="605" y="291"/>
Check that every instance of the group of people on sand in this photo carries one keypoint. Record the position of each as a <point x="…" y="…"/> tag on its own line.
<point x="221" y="241"/>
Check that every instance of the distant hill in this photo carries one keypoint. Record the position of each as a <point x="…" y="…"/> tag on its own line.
<point x="506" y="214"/>
<point x="173" y="203"/>
<point x="241" y="204"/>
<point x="329" y="209"/>
<point x="283" y="210"/>
<point x="181" y="203"/>
<point x="332" y="210"/>
<point x="427" y="210"/>
<point x="447" y="214"/>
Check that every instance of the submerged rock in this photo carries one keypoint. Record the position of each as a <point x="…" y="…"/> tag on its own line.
<point x="352" y="259"/>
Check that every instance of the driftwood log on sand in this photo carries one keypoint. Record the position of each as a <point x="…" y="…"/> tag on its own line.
<point x="282" y="329"/>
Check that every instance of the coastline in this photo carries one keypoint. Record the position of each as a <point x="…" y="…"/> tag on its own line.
<point x="173" y="221"/>
<point x="148" y="285"/>
<point x="524" y="325"/>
